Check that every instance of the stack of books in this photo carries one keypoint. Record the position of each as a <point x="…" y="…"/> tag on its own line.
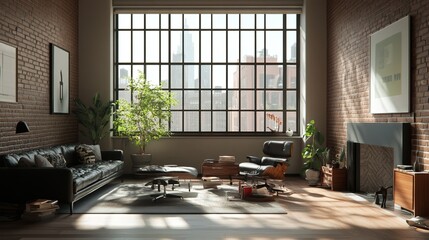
<point x="227" y="159"/>
<point x="211" y="182"/>
<point x="40" y="209"/>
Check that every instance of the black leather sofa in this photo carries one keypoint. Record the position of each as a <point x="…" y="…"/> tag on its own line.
<point x="67" y="184"/>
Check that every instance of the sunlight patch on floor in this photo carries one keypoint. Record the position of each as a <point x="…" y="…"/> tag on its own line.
<point x="176" y="223"/>
<point x="109" y="221"/>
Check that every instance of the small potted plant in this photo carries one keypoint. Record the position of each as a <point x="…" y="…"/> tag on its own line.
<point x="339" y="160"/>
<point x="94" y="118"/>
<point x="313" y="153"/>
<point x="145" y="118"/>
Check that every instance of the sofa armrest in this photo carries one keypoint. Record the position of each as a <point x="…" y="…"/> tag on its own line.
<point x="112" y="155"/>
<point x="23" y="184"/>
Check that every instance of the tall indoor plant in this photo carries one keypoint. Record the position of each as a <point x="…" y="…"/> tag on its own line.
<point x="94" y="118"/>
<point x="146" y="117"/>
<point x="313" y="153"/>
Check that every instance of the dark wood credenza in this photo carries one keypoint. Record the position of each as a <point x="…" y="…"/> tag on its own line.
<point x="221" y="170"/>
<point x="411" y="191"/>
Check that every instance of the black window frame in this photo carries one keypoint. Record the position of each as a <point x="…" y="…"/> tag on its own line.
<point x="285" y="63"/>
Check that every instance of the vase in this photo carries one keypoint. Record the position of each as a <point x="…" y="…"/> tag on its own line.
<point x="289" y="133"/>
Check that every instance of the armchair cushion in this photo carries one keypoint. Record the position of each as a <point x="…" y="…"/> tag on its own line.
<point x="253" y="159"/>
<point x="272" y="161"/>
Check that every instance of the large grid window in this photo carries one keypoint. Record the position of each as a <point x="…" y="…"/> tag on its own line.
<point x="230" y="73"/>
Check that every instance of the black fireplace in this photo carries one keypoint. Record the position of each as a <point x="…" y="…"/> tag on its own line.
<point x="394" y="135"/>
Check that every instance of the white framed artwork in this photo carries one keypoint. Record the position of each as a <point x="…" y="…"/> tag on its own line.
<point x="59" y="80"/>
<point x="389" y="71"/>
<point x="7" y="73"/>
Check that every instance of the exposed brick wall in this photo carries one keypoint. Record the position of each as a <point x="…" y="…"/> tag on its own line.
<point x="30" y="25"/>
<point x="350" y="24"/>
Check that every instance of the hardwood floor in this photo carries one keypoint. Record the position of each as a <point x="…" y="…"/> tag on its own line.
<point x="313" y="213"/>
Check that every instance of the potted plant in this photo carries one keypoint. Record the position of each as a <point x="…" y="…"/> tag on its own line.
<point x="313" y="153"/>
<point x="339" y="160"/>
<point x="94" y="118"/>
<point x="145" y="118"/>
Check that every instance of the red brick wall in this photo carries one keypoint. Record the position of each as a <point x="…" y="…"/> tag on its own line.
<point x="30" y="25"/>
<point x="350" y="24"/>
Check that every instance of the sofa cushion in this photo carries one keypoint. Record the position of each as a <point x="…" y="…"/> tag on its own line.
<point x="26" y="162"/>
<point x="108" y="167"/>
<point x="84" y="175"/>
<point x="86" y="154"/>
<point x="56" y="159"/>
<point x="41" y="161"/>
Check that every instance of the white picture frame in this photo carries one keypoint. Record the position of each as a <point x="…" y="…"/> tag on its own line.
<point x="60" y="74"/>
<point x="8" y="91"/>
<point x="389" y="70"/>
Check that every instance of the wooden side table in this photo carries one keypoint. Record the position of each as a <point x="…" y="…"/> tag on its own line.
<point x="411" y="191"/>
<point x="335" y="178"/>
<point x="221" y="170"/>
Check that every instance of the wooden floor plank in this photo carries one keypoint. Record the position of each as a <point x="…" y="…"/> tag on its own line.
<point x="313" y="213"/>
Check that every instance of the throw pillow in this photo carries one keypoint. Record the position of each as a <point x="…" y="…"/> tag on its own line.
<point x="41" y="161"/>
<point x="97" y="151"/>
<point x="26" y="162"/>
<point x="86" y="155"/>
<point x="57" y="160"/>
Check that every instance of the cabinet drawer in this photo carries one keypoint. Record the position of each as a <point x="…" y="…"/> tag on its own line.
<point x="404" y="190"/>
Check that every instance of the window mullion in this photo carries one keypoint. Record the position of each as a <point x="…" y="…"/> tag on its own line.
<point x="265" y="74"/>
<point x="226" y="75"/>
<point x="211" y="76"/>
<point x="255" y="73"/>
<point x="285" y="101"/>
<point x="239" y="73"/>
<point x="199" y="75"/>
<point x="131" y="54"/>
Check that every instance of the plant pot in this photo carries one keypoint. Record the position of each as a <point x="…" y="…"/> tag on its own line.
<point x="312" y="177"/>
<point x="140" y="160"/>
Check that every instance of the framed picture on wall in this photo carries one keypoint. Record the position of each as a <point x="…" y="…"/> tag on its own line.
<point x="389" y="71"/>
<point x="7" y="73"/>
<point x="59" y="80"/>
